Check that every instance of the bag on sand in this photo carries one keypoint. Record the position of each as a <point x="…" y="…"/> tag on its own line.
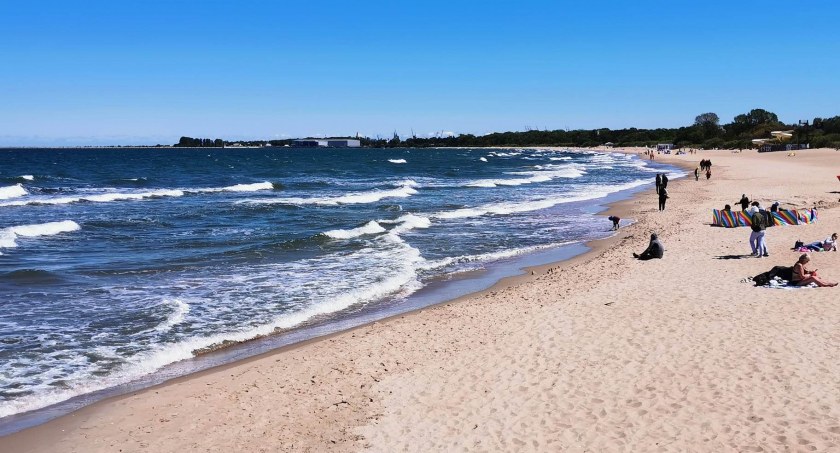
<point x="783" y="272"/>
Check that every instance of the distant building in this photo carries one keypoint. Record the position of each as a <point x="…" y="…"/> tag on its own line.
<point x="328" y="143"/>
<point x="665" y="147"/>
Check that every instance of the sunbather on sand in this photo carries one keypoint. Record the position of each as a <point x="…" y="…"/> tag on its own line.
<point x="802" y="276"/>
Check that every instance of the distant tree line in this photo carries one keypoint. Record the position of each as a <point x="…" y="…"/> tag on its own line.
<point x="706" y="132"/>
<point x="189" y="142"/>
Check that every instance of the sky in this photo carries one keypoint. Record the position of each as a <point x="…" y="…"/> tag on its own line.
<point x="76" y="72"/>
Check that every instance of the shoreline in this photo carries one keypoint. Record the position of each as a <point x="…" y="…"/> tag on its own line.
<point x="496" y="339"/>
<point x="513" y="273"/>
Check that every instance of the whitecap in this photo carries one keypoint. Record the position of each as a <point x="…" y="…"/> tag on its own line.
<point x="14" y="191"/>
<point x="535" y="205"/>
<point x="180" y="309"/>
<point x="9" y="235"/>
<point x="407" y="189"/>
<point x="534" y="177"/>
<point x="371" y="227"/>
<point x="409" y="222"/>
<point x="397" y="161"/>
<point x="98" y="198"/>
<point x="236" y="188"/>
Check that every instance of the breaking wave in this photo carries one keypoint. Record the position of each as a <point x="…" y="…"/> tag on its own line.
<point x="9" y="235"/>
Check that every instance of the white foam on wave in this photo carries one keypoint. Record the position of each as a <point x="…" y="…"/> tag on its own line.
<point x="560" y="158"/>
<point x="406" y="189"/>
<point x="409" y="222"/>
<point x="180" y="309"/>
<point x="9" y="235"/>
<point x="371" y="227"/>
<point x="111" y="196"/>
<point x="14" y="191"/>
<point x="489" y="257"/>
<point x="540" y="175"/>
<point x="97" y="198"/>
<point x="483" y="159"/>
<point x="535" y="205"/>
<point x="396" y="276"/>
<point x="397" y="161"/>
<point x="265" y="185"/>
<point x="27" y="177"/>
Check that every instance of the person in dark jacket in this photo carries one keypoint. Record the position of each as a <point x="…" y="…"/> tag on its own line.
<point x="663" y="196"/>
<point x="744" y="202"/>
<point x="664" y="181"/>
<point x="655" y="249"/>
<point x="658" y="182"/>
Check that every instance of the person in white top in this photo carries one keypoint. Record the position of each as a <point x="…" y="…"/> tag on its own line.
<point x="830" y="243"/>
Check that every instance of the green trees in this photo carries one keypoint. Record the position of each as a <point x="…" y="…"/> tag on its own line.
<point x="708" y="125"/>
<point x="705" y="132"/>
<point x="189" y="142"/>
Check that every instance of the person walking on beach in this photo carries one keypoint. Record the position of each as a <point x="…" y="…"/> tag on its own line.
<point x="655" y="249"/>
<point x="697" y="173"/>
<point x="658" y="182"/>
<point x="664" y="181"/>
<point x="708" y="173"/>
<point x="663" y="195"/>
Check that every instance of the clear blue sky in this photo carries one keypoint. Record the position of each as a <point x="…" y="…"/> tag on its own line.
<point x="146" y="72"/>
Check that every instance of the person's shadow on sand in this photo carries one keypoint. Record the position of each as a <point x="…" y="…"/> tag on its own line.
<point x="732" y="257"/>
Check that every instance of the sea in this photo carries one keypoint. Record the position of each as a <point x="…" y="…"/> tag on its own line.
<point x="118" y="264"/>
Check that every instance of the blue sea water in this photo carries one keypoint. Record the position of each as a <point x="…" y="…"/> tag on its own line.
<point x="117" y="262"/>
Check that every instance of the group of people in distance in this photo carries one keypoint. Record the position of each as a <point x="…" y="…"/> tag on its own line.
<point x="760" y="219"/>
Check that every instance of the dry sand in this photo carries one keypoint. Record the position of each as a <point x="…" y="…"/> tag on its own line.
<point x="601" y="353"/>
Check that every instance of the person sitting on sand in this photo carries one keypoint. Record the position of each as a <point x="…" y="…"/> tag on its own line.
<point x="802" y="276"/>
<point x="655" y="249"/>
<point x="615" y="220"/>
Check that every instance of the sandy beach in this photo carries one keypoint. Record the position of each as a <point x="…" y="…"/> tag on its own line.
<point x="599" y="353"/>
